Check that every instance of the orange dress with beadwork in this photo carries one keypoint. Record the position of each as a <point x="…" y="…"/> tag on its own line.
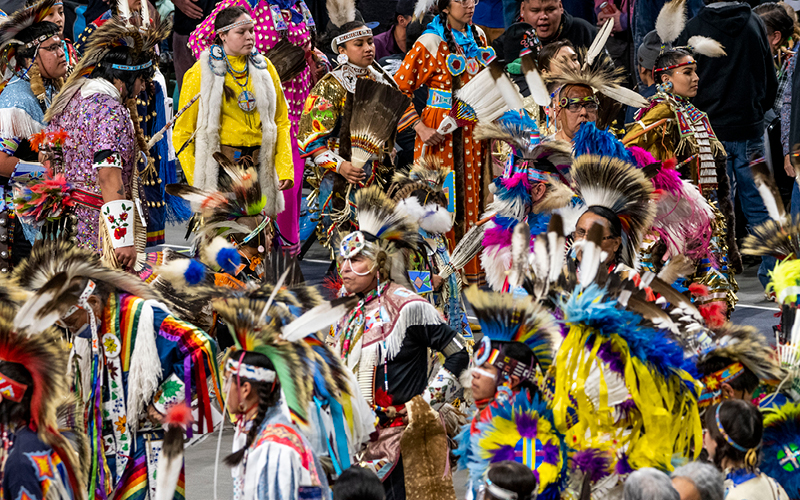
<point x="426" y="65"/>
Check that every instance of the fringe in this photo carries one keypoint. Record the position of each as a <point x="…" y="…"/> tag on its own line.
<point x="145" y="366"/>
<point x="16" y="122"/>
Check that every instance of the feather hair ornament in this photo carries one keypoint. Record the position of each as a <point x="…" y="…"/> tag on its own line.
<point x="670" y="21"/>
<point x="22" y="19"/>
<point x="124" y="11"/>
<point x="598" y="44"/>
<point x="620" y="187"/>
<point x="706" y="46"/>
<point x="520" y="249"/>
<point x="746" y="345"/>
<point x="341" y="12"/>
<point x="377" y="109"/>
<point x="422" y="7"/>
<point x="54" y="273"/>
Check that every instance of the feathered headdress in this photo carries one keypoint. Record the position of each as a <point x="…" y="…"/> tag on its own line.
<point x="298" y="364"/>
<point x="54" y="273"/>
<point x="420" y="194"/>
<point x="633" y="372"/>
<point x="600" y="76"/>
<point x="781" y="447"/>
<point x="44" y="356"/>
<point x="140" y="41"/>
<point x="621" y="188"/>
<point x="20" y="31"/>
<point x="506" y="318"/>
<point x="744" y="347"/>
<point x="522" y="430"/>
<point x="382" y="231"/>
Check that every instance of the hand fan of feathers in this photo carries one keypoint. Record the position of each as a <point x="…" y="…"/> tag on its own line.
<point x="377" y="109"/>
<point x="485" y="97"/>
<point x="289" y="60"/>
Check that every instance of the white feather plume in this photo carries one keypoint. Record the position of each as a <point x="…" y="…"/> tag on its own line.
<point x="124" y="11"/>
<point x="671" y="21"/>
<point x="706" y="46"/>
<point x="520" y="248"/>
<point x="145" y="14"/>
<point x="598" y="43"/>
<point x="422" y="7"/>
<point x="341" y="11"/>
<point x="436" y="219"/>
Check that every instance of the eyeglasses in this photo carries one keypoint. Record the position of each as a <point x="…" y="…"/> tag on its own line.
<point x="580" y="234"/>
<point x="53" y="49"/>
<point x="467" y="3"/>
<point x="574" y="104"/>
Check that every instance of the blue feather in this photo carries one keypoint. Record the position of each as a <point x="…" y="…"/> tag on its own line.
<point x="229" y="260"/>
<point x="591" y="140"/>
<point x="195" y="273"/>
<point x="778" y="436"/>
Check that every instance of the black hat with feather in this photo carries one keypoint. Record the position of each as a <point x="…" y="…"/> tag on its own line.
<point x="22" y="33"/>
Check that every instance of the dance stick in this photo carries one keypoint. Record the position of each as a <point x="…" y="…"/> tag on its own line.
<point x="160" y="134"/>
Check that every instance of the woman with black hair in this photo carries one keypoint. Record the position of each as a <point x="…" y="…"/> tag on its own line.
<point x="242" y="112"/>
<point x="448" y="54"/>
<point x="324" y="135"/>
<point x="733" y="441"/>
<point x="685" y="133"/>
<point x="508" y="480"/>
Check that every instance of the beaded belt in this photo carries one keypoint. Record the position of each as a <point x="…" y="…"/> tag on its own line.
<point x="440" y="99"/>
<point x="87" y="198"/>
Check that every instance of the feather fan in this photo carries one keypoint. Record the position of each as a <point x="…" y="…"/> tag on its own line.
<point x="678" y="266"/>
<point x="170" y="461"/>
<point x="484" y="98"/>
<point x="377" y="109"/>
<point x="289" y="59"/>
<point x="467" y="248"/>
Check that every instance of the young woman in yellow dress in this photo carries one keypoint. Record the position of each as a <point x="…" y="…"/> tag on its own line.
<point x="241" y="113"/>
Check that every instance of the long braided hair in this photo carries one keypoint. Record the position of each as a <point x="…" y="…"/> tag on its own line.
<point x="268" y="395"/>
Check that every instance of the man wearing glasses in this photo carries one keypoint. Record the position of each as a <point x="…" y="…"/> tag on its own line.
<point x="37" y="63"/>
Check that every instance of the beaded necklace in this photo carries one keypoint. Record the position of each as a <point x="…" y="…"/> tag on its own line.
<point x="354" y="327"/>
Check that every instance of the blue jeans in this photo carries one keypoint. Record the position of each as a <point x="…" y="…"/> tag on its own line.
<point x="743" y="186"/>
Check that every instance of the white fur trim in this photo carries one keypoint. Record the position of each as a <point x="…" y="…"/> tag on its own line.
<point x="436" y="219"/>
<point x="16" y="122"/>
<point x="207" y="142"/>
<point x="145" y="365"/>
<point x="210" y="251"/>
<point x="410" y="209"/>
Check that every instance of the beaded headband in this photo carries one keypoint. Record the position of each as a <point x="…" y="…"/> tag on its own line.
<point x="36" y="41"/>
<point x="667" y="68"/>
<point x="87" y="292"/>
<point x="712" y="384"/>
<point x="11" y="389"/>
<point x="234" y="25"/>
<point x="352" y="35"/>
<point x="725" y="434"/>
<point x="124" y="67"/>
<point x="250" y="372"/>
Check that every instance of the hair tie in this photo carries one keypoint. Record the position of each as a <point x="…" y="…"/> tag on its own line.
<point x="751" y="456"/>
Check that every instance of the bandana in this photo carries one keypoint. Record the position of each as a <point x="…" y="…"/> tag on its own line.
<point x="465" y="40"/>
<point x="712" y="384"/>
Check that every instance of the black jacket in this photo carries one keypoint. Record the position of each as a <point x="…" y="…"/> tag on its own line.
<point x="735" y="90"/>
<point x="576" y="30"/>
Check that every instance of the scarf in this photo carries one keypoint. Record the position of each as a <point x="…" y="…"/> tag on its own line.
<point x="465" y="40"/>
